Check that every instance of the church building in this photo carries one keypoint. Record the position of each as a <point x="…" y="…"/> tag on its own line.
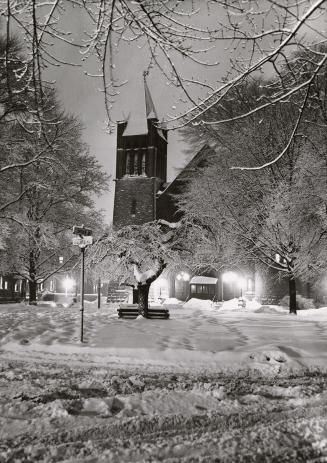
<point x="142" y="193"/>
<point x="141" y="167"/>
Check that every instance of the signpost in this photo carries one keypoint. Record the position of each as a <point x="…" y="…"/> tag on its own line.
<point x="83" y="239"/>
<point x="99" y="292"/>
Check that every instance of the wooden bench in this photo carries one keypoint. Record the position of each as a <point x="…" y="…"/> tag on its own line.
<point x="131" y="311"/>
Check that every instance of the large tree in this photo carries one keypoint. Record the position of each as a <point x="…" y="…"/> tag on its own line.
<point x="54" y="193"/>
<point x="137" y="255"/>
<point x="251" y="215"/>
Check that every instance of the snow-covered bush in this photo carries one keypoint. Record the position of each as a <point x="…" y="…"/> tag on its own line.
<point x="303" y="303"/>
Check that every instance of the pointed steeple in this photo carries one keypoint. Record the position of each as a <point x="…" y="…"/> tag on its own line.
<point x="149" y="106"/>
<point x="137" y="121"/>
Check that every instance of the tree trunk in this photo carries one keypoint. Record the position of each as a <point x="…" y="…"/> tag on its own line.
<point x="135" y="296"/>
<point x="143" y="302"/>
<point x="32" y="284"/>
<point x="292" y="293"/>
<point x="33" y="291"/>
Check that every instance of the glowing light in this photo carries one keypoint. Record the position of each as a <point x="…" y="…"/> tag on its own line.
<point x="230" y="277"/>
<point x="242" y="282"/>
<point x="69" y="283"/>
<point x="183" y="276"/>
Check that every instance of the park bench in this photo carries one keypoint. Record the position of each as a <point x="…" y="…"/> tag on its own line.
<point x="131" y="311"/>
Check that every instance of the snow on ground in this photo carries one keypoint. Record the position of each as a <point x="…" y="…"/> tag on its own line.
<point x="198" y="335"/>
<point x="234" y="384"/>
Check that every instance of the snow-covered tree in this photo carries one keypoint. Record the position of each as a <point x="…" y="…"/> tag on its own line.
<point x="271" y="216"/>
<point x="185" y="41"/>
<point x="137" y="255"/>
<point x="54" y="194"/>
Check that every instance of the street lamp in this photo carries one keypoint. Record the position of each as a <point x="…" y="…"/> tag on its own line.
<point x="183" y="276"/>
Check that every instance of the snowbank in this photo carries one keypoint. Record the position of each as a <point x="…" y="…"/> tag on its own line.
<point x="195" y="303"/>
<point x="172" y="301"/>
<point x="278" y="309"/>
<point x="232" y="304"/>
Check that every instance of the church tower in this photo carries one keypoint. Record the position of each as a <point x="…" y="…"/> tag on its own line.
<point x="141" y="165"/>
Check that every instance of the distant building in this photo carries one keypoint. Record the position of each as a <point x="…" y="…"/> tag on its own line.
<point x="12" y="288"/>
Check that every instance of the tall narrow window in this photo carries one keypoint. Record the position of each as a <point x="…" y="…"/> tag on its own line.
<point x="131" y="164"/>
<point x="136" y="163"/>
<point x="133" y="208"/>
<point x="128" y="161"/>
<point x="143" y="164"/>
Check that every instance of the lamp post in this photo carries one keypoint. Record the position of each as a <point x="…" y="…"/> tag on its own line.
<point x="83" y="239"/>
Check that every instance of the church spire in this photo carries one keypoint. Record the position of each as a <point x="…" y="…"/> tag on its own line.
<point x="149" y="106"/>
<point x="137" y="121"/>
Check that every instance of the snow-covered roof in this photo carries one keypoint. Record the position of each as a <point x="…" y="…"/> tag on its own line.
<point x="136" y="123"/>
<point x="199" y="280"/>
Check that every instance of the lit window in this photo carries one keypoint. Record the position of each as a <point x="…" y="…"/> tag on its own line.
<point x="193" y="288"/>
<point x="5" y="284"/>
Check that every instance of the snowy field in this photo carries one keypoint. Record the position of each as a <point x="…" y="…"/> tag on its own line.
<point x="209" y="384"/>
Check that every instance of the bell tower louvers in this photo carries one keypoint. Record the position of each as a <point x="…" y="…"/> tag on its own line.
<point x="141" y="165"/>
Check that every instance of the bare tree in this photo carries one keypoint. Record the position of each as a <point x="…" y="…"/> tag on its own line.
<point x="183" y="39"/>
